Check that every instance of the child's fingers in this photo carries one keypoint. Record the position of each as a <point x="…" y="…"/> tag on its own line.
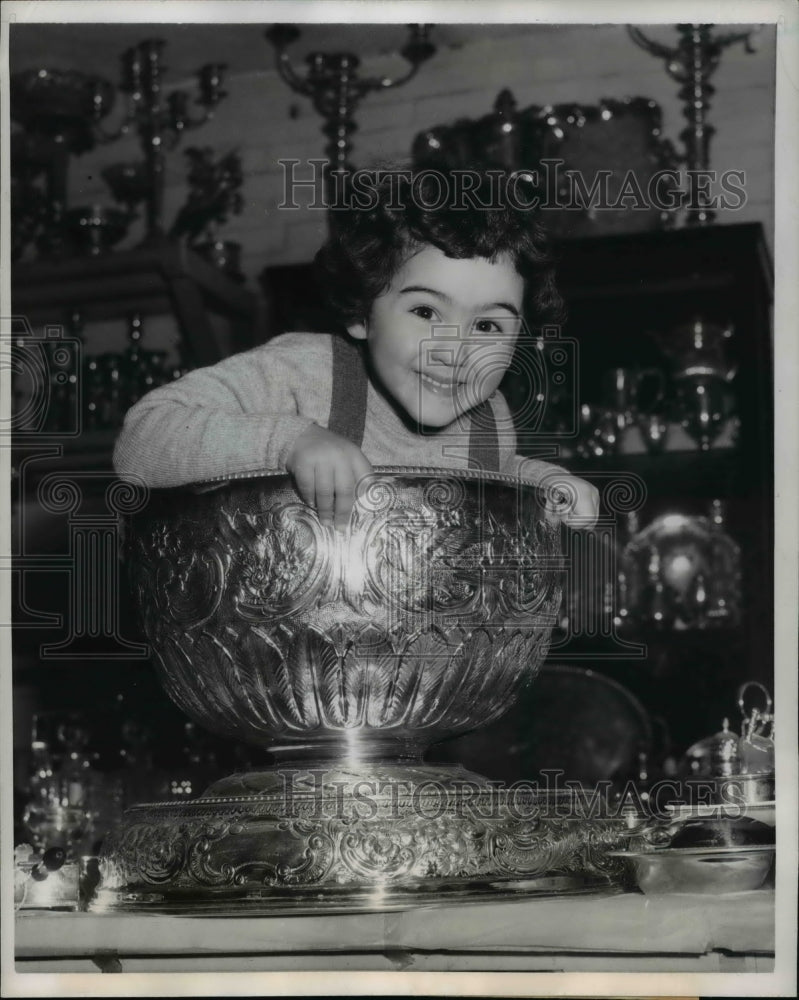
<point x="587" y="507"/>
<point x="573" y="501"/>
<point x="325" y="493"/>
<point x="305" y="481"/>
<point x="583" y="513"/>
<point x="580" y="522"/>
<point x="326" y="474"/>
<point x="561" y="499"/>
<point x="345" y="496"/>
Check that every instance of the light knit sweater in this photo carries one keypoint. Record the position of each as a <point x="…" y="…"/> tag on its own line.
<point x="244" y="414"/>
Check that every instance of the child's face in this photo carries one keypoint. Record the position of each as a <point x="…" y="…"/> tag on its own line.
<point x="443" y="334"/>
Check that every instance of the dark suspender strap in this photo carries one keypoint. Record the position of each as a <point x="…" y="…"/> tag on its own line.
<point x="349" y="390"/>
<point x="348" y="407"/>
<point x="483" y="439"/>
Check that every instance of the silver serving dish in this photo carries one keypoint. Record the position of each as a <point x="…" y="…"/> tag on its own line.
<point x="743" y="789"/>
<point x="580" y="723"/>
<point x="346" y="655"/>
<point x="763" y="812"/>
<point x="699" y="870"/>
<point x="600" y="144"/>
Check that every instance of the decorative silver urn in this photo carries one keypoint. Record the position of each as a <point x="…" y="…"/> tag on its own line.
<point x="346" y="655"/>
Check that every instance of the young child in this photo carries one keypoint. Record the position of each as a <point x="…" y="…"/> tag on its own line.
<point x="432" y="296"/>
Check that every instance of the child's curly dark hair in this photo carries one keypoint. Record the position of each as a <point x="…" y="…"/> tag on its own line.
<point x="402" y="212"/>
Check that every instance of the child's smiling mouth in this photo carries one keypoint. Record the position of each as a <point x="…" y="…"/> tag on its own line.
<point x="440" y="386"/>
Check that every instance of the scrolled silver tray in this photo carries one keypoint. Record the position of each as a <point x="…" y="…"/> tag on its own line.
<point x="299" y="902"/>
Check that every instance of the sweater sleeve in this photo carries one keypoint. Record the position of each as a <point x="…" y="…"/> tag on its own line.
<point x="510" y="462"/>
<point x="241" y="415"/>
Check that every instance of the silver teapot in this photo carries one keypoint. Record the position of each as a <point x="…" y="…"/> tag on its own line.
<point x="702" y="377"/>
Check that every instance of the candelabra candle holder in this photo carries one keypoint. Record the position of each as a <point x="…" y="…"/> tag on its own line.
<point x="59" y="112"/>
<point x="160" y="119"/>
<point x="30" y="213"/>
<point x="347" y="655"/>
<point x="102" y="387"/>
<point x="214" y="194"/>
<point x="692" y="62"/>
<point x="336" y="90"/>
<point x="64" y="792"/>
<point x="93" y="229"/>
<point x="128" y="184"/>
<point x="141" y="370"/>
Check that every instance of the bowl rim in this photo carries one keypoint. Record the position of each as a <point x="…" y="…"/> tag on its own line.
<point x="422" y="471"/>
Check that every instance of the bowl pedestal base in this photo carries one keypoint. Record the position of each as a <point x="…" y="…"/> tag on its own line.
<point x="354" y="835"/>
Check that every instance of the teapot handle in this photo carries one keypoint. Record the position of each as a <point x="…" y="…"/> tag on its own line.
<point x="742" y="696"/>
<point x="758" y="718"/>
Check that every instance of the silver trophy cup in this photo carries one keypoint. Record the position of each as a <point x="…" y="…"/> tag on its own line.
<point x="347" y="655"/>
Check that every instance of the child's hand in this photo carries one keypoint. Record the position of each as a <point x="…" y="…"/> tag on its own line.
<point x="326" y="469"/>
<point x="572" y="500"/>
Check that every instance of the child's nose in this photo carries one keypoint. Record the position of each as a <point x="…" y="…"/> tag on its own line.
<point x="443" y="356"/>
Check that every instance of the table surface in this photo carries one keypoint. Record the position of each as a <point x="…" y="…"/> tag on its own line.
<point x="627" y="926"/>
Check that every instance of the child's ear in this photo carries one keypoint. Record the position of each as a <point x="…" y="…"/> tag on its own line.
<point x="357" y="331"/>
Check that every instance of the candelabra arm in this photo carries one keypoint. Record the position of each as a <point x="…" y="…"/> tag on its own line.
<point x="692" y="64"/>
<point x="654" y="48"/>
<point x="417" y="51"/>
<point x="335" y="89"/>
<point x="733" y="37"/>
<point x="180" y="126"/>
<point x="291" y="77"/>
<point x="172" y="137"/>
<point x="105" y="136"/>
<point x="386" y="83"/>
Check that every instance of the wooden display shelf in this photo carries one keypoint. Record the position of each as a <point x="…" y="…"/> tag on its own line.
<point x="679" y="260"/>
<point x="167" y="277"/>
<point x="617" y="933"/>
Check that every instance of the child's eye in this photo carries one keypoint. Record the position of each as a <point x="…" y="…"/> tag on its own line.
<point x="487" y="326"/>
<point x="424" y="312"/>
